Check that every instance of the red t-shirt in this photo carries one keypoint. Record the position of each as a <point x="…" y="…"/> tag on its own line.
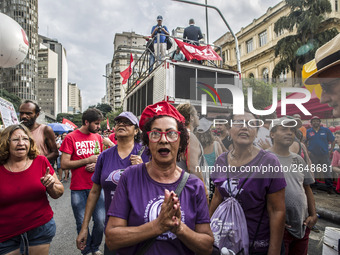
<point x="23" y="200"/>
<point x="80" y="146"/>
<point x="112" y="138"/>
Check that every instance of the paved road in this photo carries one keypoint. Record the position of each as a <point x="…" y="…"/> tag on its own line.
<point x="64" y="242"/>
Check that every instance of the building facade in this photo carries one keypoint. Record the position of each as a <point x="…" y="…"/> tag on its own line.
<point x="62" y="76"/>
<point x="22" y="79"/>
<point x="74" y="99"/>
<point x="125" y="43"/>
<point x="47" y="88"/>
<point x="257" y="43"/>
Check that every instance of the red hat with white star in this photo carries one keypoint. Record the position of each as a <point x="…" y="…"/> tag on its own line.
<point x="160" y="108"/>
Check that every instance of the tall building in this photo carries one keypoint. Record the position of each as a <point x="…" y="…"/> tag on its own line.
<point x="62" y="76"/>
<point x="125" y="44"/>
<point x="257" y="43"/>
<point x="74" y="99"/>
<point x="47" y="86"/>
<point x="22" y="79"/>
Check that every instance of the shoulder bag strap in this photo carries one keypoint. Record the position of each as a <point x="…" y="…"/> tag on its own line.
<point x="178" y="191"/>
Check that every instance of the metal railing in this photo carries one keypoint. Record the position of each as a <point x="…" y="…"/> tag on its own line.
<point x="148" y="60"/>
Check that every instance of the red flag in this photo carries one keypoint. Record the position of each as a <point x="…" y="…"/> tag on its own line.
<point x="197" y="52"/>
<point x="107" y="124"/>
<point x="128" y="71"/>
<point x="69" y="123"/>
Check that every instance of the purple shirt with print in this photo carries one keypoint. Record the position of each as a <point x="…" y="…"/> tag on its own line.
<point x="252" y="196"/>
<point x="109" y="167"/>
<point x="138" y="200"/>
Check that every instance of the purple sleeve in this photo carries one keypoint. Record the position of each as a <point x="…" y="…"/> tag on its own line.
<point x="120" y="205"/>
<point x="202" y="206"/>
<point x="98" y="170"/>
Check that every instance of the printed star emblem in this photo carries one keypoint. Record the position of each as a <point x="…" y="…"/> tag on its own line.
<point x="158" y="108"/>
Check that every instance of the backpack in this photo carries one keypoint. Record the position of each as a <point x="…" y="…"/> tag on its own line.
<point x="229" y="225"/>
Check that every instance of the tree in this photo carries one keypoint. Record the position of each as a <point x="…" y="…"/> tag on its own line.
<point x="104" y="108"/>
<point x="75" y="118"/>
<point x="262" y="92"/>
<point x="308" y="17"/>
<point x="111" y="116"/>
<point x="14" y="99"/>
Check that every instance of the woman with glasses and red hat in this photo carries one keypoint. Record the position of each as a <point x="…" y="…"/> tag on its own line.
<point x="110" y="165"/>
<point x="157" y="207"/>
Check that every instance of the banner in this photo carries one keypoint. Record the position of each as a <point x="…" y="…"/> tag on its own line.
<point x="127" y="72"/>
<point x="7" y="113"/>
<point x="69" y="123"/>
<point x="197" y="52"/>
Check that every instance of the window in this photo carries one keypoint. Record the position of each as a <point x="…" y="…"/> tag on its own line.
<point x="263" y="38"/>
<point x="283" y="76"/>
<point x="336" y="5"/>
<point x="265" y="75"/>
<point x="251" y="76"/>
<point x="249" y="45"/>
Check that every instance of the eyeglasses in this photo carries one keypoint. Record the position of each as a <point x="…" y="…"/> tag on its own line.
<point x="17" y="139"/>
<point x="171" y="136"/>
<point x="124" y="123"/>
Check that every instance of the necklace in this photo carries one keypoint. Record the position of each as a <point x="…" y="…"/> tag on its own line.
<point x="22" y="169"/>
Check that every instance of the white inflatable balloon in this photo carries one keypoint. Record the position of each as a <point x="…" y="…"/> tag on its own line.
<point x="13" y="42"/>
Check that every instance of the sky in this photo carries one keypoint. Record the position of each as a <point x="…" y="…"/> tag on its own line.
<point x="86" y="29"/>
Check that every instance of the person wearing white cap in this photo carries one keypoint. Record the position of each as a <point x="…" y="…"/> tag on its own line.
<point x="299" y="199"/>
<point x="327" y="59"/>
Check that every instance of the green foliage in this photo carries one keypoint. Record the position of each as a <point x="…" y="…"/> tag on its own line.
<point x="308" y="17"/>
<point x="104" y="108"/>
<point x="111" y="116"/>
<point x="261" y="94"/>
<point x="15" y="100"/>
<point x="75" y="118"/>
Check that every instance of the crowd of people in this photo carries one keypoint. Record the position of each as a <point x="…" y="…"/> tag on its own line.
<point x="156" y="185"/>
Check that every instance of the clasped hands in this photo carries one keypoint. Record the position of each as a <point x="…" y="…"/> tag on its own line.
<point x="169" y="218"/>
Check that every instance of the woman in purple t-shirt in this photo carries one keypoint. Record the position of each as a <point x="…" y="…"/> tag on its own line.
<point x="109" y="167"/>
<point x="145" y="205"/>
<point x="262" y="196"/>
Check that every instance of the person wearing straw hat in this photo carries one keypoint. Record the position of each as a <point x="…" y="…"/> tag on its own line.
<point x="327" y="59"/>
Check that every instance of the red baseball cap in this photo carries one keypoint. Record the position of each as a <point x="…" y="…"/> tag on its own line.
<point x="162" y="108"/>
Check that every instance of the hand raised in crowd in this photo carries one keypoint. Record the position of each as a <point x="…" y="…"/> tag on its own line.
<point x="135" y="159"/>
<point x="264" y="144"/>
<point x="47" y="180"/>
<point x="90" y="167"/>
<point x="170" y="210"/>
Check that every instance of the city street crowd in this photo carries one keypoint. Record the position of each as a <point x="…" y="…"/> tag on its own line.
<point x="169" y="182"/>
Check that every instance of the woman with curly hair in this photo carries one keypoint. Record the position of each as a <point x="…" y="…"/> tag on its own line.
<point x="26" y="218"/>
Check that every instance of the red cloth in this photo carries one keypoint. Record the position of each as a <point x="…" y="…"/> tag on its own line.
<point x="160" y="108"/>
<point x="191" y="51"/>
<point x="23" y="200"/>
<point x="69" y="123"/>
<point x="80" y="146"/>
<point x="127" y="72"/>
<point x="336" y="162"/>
<point x="113" y="138"/>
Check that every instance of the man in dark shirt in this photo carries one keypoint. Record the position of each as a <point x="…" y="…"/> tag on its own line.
<point x="192" y="33"/>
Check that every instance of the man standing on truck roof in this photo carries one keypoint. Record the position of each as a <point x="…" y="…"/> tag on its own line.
<point x="163" y="31"/>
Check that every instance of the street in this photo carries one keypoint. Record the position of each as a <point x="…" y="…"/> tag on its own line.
<point x="64" y="242"/>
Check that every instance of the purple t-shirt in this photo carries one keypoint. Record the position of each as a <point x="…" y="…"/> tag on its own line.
<point x="109" y="167"/>
<point x="138" y="200"/>
<point x="252" y="196"/>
